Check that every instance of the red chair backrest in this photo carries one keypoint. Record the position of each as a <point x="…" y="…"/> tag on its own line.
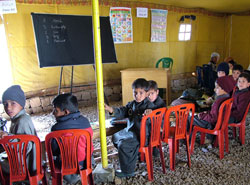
<point x="67" y="141"/>
<point x="245" y="114"/>
<point x="16" y="149"/>
<point x="181" y="113"/>
<point x="155" y="120"/>
<point x="224" y="114"/>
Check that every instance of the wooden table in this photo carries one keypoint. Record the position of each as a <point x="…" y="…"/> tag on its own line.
<point x="110" y="129"/>
<point x="162" y="76"/>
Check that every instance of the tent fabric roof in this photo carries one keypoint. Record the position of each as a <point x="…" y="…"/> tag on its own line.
<point x="223" y="6"/>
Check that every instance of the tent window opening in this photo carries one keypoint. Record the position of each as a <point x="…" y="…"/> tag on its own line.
<point x="5" y="62"/>
<point x="185" y="32"/>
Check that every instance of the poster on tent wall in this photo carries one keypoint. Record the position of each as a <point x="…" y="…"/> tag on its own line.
<point x="7" y="6"/>
<point x="158" y="25"/>
<point x="121" y="24"/>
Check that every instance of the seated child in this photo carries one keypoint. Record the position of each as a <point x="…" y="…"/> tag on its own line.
<point x="222" y="70"/>
<point x="127" y="141"/>
<point x="231" y="64"/>
<point x="208" y="119"/>
<point x="241" y="98"/>
<point x="237" y="70"/>
<point x="152" y="93"/>
<point x="14" y="100"/>
<point x="68" y="117"/>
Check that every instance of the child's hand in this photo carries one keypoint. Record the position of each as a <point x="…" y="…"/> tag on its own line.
<point x="147" y="112"/>
<point x="2" y="134"/>
<point x="209" y="101"/>
<point x="108" y="108"/>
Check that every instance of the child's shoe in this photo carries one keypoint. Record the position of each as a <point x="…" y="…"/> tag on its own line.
<point x="120" y="174"/>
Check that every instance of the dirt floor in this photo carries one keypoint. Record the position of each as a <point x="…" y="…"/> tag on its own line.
<point x="206" y="167"/>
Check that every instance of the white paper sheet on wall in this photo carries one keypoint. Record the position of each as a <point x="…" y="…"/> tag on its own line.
<point x="158" y="25"/>
<point x="7" y="6"/>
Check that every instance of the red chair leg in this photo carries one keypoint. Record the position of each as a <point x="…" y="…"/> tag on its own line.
<point x="243" y="132"/>
<point x="188" y="151"/>
<point x="149" y="164"/>
<point x="177" y="148"/>
<point x="171" y="145"/>
<point x="221" y="144"/>
<point x="202" y="141"/>
<point x="216" y="141"/>
<point x="226" y="140"/>
<point x="234" y="132"/>
<point x="162" y="159"/>
<point x="193" y="141"/>
<point x="91" y="179"/>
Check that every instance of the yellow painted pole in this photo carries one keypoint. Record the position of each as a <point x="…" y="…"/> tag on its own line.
<point x="99" y="80"/>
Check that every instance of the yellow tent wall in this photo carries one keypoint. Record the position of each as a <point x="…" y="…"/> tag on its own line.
<point x="238" y="45"/>
<point x="208" y="35"/>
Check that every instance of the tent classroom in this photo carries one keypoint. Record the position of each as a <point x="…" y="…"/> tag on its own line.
<point x="213" y="30"/>
<point x="221" y="27"/>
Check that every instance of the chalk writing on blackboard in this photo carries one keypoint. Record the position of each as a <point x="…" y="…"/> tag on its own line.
<point x="66" y="40"/>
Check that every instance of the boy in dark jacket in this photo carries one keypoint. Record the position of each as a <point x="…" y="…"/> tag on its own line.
<point x="68" y="117"/>
<point x="208" y="119"/>
<point x="127" y="140"/>
<point x="152" y="94"/>
<point x="241" y="98"/>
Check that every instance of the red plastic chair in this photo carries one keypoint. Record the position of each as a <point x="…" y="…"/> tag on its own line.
<point x="155" y="120"/>
<point x="68" y="143"/>
<point x="172" y="134"/>
<point x="220" y="130"/>
<point x="241" y="126"/>
<point x="16" y="149"/>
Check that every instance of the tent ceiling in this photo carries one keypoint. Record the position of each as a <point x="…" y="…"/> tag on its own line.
<point x="225" y="6"/>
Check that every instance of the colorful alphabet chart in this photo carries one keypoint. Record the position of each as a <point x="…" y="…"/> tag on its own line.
<point x="158" y="25"/>
<point x="121" y="24"/>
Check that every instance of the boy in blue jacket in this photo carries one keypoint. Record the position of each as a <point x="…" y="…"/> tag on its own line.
<point x="69" y="117"/>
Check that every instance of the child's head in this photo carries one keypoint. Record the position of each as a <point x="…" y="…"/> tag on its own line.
<point x="231" y="64"/>
<point x="215" y="57"/>
<point x="140" y="88"/>
<point x="237" y="70"/>
<point x="222" y="86"/>
<point x="152" y="90"/>
<point x="64" y="104"/>
<point x="243" y="81"/>
<point x="223" y="69"/>
<point x="13" y="100"/>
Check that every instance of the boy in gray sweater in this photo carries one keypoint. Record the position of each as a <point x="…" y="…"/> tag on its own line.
<point x="14" y="100"/>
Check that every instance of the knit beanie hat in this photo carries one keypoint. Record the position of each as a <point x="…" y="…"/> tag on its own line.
<point x="14" y="93"/>
<point x="226" y="83"/>
<point x="223" y="67"/>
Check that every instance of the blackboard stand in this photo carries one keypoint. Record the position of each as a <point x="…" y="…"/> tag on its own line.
<point x="71" y="83"/>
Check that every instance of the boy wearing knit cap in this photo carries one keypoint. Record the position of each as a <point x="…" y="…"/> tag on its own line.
<point x="14" y="100"/>
<point x="209" y="118"/>
<point x="222" y="69"/>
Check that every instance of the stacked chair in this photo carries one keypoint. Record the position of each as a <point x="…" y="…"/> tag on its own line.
<point x="146" y="147"/>
<point x="172" y="134"/>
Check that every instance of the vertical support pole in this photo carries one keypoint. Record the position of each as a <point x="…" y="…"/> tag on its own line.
<point x="71" y="83"/>
<point x="99" y="80"/>
<point x="60" y="81"/>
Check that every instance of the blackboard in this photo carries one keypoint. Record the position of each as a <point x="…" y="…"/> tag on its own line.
<point x="66" y="40"/>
